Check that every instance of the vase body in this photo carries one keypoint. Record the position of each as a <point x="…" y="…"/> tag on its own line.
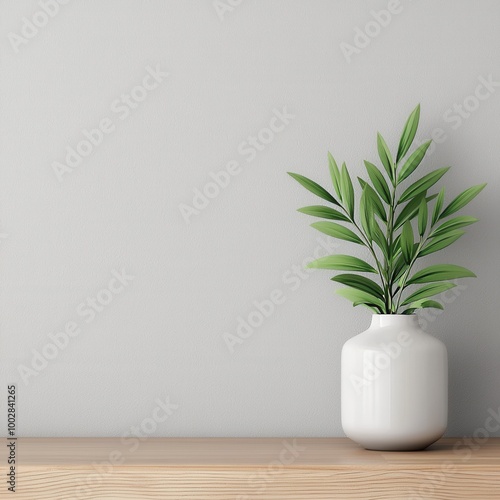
<point x="394" y="385"/>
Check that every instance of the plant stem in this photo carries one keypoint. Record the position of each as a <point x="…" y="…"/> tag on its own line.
<point x="406" y="274"/>
<point x="390" y="239"/>
<point x="372" y="251"/>
<point x="368" y="245"/>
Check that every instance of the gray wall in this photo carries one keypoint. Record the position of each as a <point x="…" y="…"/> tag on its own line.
<point x="161" y="336"/>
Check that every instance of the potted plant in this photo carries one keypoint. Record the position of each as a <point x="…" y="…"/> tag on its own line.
<point x="394" y="375"/>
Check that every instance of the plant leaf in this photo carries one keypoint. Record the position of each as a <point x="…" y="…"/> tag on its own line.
<point x="335" y="175"/>
<point x="385" y="157"/>
<point x="440" y="242"/>
<point x="408" y="311"/>
<point x="360" y="283"/>
<point x="396" y="245"/>
<point x="314" y="188"/>
<point x="440" y="272"/>
<point x="376" y="202"/>
<point x="413" y="161"/>
<point x="366" y="213"/>
<point x="421" y="304"/>
<point x="438" y="206"/>
<point x="380" y="239"/>
<point x="422" y="217"/>
<point x="461" y="200"/>
<point x="455" y="223"/>
<point x="407" y="243"/>
<point x="342" y="263"/>
<point x="411" y="209"/>
<point x="423" y="184"/>
<point x="409" y="131"/>
<point x="378" y="181"/>
<point x="428" y="291"/>
<point x="360" y="297"/>
<point x="323" y="212"/>
<point x="399" y="268"/>
<point x="347" y="190"/>
<point x="337" y="231"/>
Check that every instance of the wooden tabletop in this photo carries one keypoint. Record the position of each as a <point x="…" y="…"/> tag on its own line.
<point x="237" y="469"/>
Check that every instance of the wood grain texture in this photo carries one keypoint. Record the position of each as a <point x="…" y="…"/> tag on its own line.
<point x="245" y="469"/>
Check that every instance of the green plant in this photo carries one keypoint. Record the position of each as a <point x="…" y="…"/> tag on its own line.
<point x="395" y="223"/>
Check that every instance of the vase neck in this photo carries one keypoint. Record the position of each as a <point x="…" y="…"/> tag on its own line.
<point x="401" y="320"/>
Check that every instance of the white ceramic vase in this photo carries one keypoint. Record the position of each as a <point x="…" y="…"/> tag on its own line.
<point x="394" y="385"/>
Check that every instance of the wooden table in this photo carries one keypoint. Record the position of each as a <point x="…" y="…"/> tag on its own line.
<point x="245" y="469"/>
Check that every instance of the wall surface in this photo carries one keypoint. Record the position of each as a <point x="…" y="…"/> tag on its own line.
<point x="124" y="288"/>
